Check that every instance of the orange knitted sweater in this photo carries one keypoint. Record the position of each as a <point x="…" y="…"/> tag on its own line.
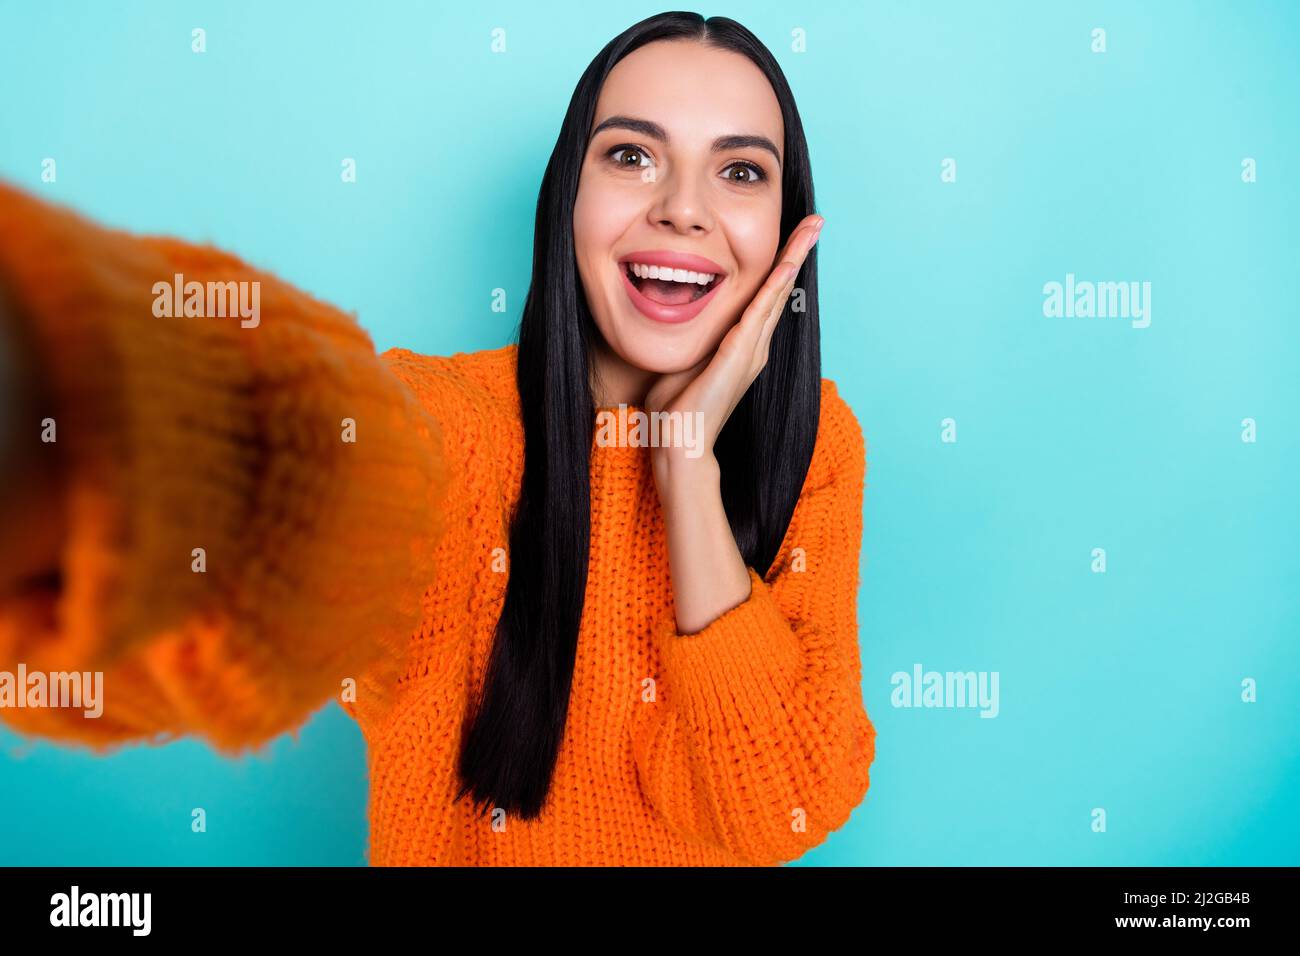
<point x="372" y="572"/>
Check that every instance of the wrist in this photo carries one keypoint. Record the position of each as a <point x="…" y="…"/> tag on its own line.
<point x="680" y="477"/>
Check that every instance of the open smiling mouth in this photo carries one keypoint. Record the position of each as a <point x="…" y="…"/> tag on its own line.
<point x="670" y="287"/>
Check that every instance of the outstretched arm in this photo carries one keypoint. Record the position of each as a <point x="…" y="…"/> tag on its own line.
<point x="31" y="512"/>
<point x="229" y="516"/>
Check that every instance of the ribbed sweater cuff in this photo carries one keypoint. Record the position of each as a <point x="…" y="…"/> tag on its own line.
<point x="747" y="656"/>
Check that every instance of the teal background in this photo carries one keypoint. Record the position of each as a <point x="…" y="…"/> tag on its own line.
<point x="1119" y="690"/>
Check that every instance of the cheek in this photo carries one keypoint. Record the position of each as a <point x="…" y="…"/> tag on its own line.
<point x="601" y="214"/>
<point x="754" y="241"/>
<point x="753" y="236"/>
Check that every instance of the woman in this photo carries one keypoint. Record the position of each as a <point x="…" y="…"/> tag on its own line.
<point x="563" y="643"/>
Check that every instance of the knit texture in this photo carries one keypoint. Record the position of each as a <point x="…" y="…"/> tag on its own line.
<point x="373" y="572"/>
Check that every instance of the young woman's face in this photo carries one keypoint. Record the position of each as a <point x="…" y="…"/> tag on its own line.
<point x="673" y="187"/>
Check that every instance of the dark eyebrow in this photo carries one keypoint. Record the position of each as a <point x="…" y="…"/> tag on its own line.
<point x="655" y="131"/>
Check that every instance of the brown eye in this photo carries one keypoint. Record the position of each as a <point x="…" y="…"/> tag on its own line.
<point x="749" y="174"/>
<point x="635" y="152"/>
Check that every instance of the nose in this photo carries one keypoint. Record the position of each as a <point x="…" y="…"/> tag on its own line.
<point x="681" y="204"/>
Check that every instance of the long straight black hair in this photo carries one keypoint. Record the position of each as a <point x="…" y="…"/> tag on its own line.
<point x="510" y="748"/>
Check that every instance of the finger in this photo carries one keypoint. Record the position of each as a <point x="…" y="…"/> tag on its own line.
<point x="769" y="329"/>
<point x="791" y="267"/>
<point x="783" y="273"/>
<point x="742" y="343"/>
<point x="809" y="225"/>
<point x="779" y="309"/>
<point x="792" y="260"/>
<point x="785" y="276"/>
<point x="748" y="333"/>
<point x="743" y="336"/>
<point x="770" y="295"/>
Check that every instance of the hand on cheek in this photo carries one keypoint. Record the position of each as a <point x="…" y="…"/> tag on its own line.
<point x="710" y="390"/>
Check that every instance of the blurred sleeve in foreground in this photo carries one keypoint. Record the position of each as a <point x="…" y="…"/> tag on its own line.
<point x="249" y="495"/>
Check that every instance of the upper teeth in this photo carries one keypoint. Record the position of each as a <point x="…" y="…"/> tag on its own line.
<point x="671" y="275"/>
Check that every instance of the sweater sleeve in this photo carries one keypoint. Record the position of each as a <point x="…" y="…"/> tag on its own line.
<point x="250" y="500"/>
<point x="760" y="743"/>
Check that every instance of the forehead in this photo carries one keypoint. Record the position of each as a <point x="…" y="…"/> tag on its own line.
<point x="695" y="92"/>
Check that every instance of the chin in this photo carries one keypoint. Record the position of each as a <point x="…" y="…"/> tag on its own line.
<point x="665" y="350"/>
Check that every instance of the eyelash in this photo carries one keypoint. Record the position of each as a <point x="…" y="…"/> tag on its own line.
<point x="754" y="167"/>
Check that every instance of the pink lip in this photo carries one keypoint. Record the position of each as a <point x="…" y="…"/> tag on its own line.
<point x="673" y="260"/>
